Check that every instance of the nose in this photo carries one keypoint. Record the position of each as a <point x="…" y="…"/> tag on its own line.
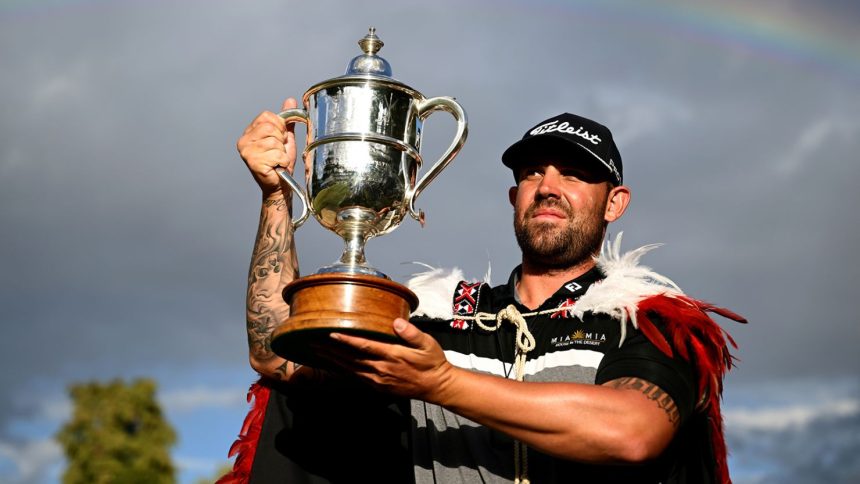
<point x="549" y="186"/>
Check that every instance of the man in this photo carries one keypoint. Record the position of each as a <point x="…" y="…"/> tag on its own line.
<point x="573" y="371"/>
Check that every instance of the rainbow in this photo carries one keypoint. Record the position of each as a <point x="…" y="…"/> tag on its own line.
<point x="806" y="35"/>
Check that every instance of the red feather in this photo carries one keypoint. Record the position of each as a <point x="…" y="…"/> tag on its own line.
<point x="653" y="334"/>
<point x="245" y="446"/>
<point x="702" y="342"/>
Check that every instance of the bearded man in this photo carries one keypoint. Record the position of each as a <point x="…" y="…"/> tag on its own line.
<point x="583" y="367"/>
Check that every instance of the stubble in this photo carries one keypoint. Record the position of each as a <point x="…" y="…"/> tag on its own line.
<point x="558" y="246"/>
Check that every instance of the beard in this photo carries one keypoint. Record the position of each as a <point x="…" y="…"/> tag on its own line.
<point x="555" y="246"/>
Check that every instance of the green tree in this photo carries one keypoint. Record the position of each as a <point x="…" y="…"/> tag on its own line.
<point x="117" y="434"/>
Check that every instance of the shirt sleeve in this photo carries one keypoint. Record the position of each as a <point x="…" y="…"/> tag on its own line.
<point x="638" y="357"/>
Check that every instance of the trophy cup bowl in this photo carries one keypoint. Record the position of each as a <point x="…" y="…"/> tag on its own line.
<point x="362" y="157"/>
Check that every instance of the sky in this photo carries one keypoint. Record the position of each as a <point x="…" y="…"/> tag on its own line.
<point x="127" y="218"/>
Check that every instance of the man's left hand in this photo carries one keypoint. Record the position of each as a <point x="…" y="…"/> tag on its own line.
<point x="416" y="368"/>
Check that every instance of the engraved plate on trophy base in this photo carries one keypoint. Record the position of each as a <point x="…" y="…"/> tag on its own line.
<point x="321" y="304"/>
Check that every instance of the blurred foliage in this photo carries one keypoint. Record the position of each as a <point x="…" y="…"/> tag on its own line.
<point x="117" y="434"/>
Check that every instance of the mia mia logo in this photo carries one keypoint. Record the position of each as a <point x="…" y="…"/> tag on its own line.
<point x="579" y="337"/>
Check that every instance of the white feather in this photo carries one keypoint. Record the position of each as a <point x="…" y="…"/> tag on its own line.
<point x="626" y="283"/>
<point x="488" y="275"/>
<point x="435" y="290"/>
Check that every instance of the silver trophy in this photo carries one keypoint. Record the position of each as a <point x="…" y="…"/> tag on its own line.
<point x="362" y="158"/>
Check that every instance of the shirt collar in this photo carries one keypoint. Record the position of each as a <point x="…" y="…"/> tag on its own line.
<point x="573" y="288"/>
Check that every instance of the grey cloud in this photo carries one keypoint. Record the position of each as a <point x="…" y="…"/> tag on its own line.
<point x="824" y="451"/>
<point x="126" y="217"/>
<point x="35" y="461"/>
<point x="795" y="430"/>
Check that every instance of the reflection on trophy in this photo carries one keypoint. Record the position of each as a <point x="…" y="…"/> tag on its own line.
<point x="362" y="158"/>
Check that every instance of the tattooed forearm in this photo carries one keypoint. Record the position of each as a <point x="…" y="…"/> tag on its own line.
<point x="654" y="393"/>
<point x="279" y="203"/>
<point x="273" y="265"/>
<point x="281" y="370"/>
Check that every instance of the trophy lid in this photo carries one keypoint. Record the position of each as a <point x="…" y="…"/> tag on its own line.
<point x="368" y="70"/>
<point x="369" y="63"/>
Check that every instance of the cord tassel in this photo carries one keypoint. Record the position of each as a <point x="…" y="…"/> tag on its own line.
<point x="525" y="342"/>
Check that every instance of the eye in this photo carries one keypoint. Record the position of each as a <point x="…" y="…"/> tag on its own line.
<point x="574" y="175"/>
<point x="531" y="174"/>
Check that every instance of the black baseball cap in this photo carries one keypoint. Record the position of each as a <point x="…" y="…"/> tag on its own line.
<point x="577" y="139"/>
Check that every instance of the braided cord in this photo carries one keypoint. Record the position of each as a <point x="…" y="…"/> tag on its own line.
<point x="525" y="342"/>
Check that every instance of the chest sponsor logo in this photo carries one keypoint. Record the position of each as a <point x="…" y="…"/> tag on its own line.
<point x="579" y="338"/>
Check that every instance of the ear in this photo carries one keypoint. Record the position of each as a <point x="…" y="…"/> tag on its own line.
<point x="616" y="203"/>
<point x="512" y="196"/>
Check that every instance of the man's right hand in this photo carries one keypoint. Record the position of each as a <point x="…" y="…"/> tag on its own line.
<point x="268" y="143"/>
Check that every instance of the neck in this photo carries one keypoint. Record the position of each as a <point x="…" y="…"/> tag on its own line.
<point x="537" y="282"/>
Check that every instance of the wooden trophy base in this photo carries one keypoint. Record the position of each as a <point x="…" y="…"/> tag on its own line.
<point x="322" y="304"/>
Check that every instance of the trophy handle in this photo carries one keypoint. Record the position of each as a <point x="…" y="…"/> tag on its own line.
<point x="295" y="116"/>
<point x="425" y="108"/>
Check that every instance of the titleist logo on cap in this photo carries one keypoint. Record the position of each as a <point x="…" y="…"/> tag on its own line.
<point x="565" y="127"/>
<point x="571" y="139"/>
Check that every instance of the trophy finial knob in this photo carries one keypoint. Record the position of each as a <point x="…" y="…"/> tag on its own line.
<point x="371" y="43"/>
<point x="369" y="63"/>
